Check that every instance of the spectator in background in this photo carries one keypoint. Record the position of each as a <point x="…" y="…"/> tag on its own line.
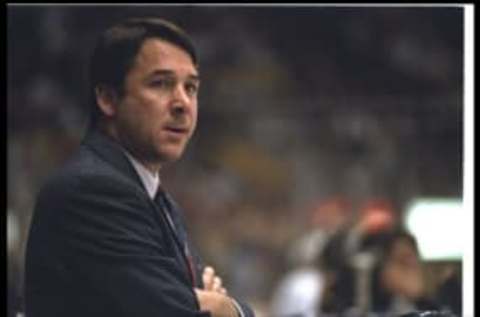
<point x="106" y="239"/>
<point x="339" y="259"/>
<point x="299" y="292"/>
<point x="396" y="281"/>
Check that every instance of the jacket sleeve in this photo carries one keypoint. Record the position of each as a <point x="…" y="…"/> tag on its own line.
<point x="106" y="234"/>
<point x="243" y="310"/>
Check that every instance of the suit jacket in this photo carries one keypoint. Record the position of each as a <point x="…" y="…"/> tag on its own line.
<point x="99" y="246"/>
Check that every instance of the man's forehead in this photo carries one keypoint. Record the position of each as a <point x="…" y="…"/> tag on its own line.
<point x="165" y="57"/>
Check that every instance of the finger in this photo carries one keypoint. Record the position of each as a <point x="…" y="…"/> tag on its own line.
<point x="208" y="277"/>
<point x="209" y="270"/>
<point x="222" y="290"/>
<point x="217" y="283"/>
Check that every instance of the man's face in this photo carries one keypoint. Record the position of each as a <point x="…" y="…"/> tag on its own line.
<point x="157" y="113"/>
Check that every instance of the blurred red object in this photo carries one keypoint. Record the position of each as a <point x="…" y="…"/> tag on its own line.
<point x="377" y="215"/>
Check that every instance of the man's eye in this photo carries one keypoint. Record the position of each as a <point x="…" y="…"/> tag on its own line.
<point x="157" y="83"/>
<point x="162" y="83"/>
<point x="191" y="89"/>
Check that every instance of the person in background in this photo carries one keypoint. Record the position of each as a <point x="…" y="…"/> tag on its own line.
<point x="396" y="280"/>
<point x="106" y="238"/>
<point x="299" y="292"/>
<point x="340" y="259"/>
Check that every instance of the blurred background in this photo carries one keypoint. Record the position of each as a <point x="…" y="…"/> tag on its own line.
<point x="315" y="122"/>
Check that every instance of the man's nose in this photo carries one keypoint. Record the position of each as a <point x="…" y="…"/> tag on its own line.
<point x="180" y="94"/>
<point x="180" y="100"/>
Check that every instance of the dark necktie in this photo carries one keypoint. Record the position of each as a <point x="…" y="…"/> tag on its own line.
<point x="177" y="227"/>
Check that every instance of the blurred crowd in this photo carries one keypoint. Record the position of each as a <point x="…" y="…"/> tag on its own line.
<point x="369" y="265"/>
<point x="307" y="116"/>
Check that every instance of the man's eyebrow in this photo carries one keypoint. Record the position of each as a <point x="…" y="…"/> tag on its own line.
<point x="167" y="72"/>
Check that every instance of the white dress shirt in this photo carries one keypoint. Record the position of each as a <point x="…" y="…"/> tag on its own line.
<point x="150" y="180"/>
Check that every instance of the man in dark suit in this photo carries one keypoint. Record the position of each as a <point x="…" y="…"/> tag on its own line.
<point x="106" y="239"/>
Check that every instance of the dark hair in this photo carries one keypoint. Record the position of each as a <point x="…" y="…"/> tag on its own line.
<point x="383" y="241"/>
<point x="118" y="46"/>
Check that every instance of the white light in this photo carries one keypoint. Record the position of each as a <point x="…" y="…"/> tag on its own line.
<point x="468" y="162"/>
<point x="437" y="225"/>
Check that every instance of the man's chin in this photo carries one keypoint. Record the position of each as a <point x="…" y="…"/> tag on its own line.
<point x="170" y="155"/>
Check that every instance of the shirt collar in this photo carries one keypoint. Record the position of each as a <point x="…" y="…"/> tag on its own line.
<point x="150" y="180"/>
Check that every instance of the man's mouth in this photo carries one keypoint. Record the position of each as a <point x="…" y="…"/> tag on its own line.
<point x="177" y="129"/>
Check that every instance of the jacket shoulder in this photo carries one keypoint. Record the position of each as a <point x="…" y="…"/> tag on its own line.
<point x="85" y="172"/>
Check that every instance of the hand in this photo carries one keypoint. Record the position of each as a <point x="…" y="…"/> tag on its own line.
<point x="404" y="279"/>
<point x="212" y="282"/>
<point x="219" y="305"/>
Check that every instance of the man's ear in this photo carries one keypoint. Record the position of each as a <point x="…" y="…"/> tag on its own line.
<point x="107" y="100"/>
